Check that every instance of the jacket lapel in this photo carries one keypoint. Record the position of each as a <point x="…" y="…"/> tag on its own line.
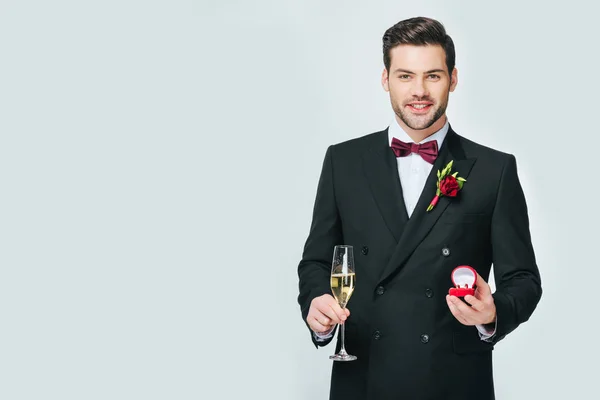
<point x="381" y="170"/>
<point x="421" y="221"/>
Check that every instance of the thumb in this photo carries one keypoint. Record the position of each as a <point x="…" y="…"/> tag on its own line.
<point x="482" y="287"/>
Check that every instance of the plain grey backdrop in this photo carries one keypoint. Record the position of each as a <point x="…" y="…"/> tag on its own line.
<point x="158" y="167"/>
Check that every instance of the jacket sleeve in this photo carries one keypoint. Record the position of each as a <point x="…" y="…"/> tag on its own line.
<point x="314" y="269"/>
<point x="518" y="283"/>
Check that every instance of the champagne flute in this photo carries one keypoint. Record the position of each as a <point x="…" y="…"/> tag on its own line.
<point x="342" y="285"/>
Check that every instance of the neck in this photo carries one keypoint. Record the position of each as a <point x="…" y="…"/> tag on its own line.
<point x="417" y="135"/>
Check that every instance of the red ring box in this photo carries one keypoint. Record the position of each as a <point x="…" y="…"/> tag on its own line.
<point x="464" y="278"/>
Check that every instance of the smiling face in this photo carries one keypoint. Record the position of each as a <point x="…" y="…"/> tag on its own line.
<point x="419" y="87"/>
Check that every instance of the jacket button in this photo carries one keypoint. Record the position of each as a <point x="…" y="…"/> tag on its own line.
<point x="445" y="252"/>
<point x="380" y="290"/>
<point x="429" y="293"/>
<point x="376" y="335"/>
<point x="365" y="250"/>
<point x="425" y="338"/>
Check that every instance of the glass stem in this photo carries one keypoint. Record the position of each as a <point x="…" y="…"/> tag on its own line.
<point x="342" y="332"/>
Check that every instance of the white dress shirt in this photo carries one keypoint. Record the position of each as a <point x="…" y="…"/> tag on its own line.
<point x="413" y="172"/>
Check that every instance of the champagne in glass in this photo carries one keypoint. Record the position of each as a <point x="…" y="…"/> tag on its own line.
<point x="342" y="286"/>
<point x="343" y="279"/>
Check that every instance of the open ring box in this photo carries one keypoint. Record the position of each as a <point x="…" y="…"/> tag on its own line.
<point x="464" y="278"/>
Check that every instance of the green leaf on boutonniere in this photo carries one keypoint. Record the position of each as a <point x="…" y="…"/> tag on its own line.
<point x="461" y="179"/>
<point x="438" y="174"/>
<point x="454" y="174"/>
<point x="447" y="169"/>
<point x="460" y="184"/>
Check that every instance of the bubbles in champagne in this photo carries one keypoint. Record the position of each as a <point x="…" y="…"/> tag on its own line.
<point x="342" y="286"/>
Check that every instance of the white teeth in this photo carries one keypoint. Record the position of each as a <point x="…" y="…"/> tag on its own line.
<point x="419" y="106"/>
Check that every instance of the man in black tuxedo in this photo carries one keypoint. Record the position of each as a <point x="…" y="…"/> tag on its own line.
<point x="412" y="339"/>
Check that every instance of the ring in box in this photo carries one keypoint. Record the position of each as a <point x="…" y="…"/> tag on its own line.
<point x="464" y="278"/>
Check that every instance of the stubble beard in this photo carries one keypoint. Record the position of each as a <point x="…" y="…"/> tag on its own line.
<point x="420" y="122"/>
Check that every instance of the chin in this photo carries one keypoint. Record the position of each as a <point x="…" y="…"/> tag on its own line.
<point x="419" y="125"/>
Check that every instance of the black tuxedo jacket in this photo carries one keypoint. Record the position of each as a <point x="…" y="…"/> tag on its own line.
<point x="409" y="345"/>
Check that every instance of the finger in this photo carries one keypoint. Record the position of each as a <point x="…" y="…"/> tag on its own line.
<point x="475" y="302"/>
<point x="316" y="326"/>
<point x="322" y="306"/>
<point x="315" y="314"/>
<point x="453" y="309"/>
<point x="339" y="311"/>
<point x="483" y="287"/>
<point x="464" y="310"/>
<point x="485" y="298"/>
<point x="456" y="312"/>
<point x="328" y="310"/>
<point x="323" y="319"/>
<point x="467" y="312"/>
<point x="347" y="312"/>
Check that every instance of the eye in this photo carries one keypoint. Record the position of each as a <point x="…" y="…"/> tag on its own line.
<point x="433" y="77"/>
<point x="404" y="77"/>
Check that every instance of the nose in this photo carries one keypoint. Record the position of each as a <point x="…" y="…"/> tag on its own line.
<point x="419" y="89"/>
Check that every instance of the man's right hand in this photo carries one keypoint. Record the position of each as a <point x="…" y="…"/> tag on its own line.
<point x="325" y="313"/>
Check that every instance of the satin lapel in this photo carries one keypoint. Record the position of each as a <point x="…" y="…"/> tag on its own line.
<point x="381" y="170"/>
<point x="421" y="221"/>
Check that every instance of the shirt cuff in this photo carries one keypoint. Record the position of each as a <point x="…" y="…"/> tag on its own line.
<point x="487" y="331"/>
<point x="323" y="336"/>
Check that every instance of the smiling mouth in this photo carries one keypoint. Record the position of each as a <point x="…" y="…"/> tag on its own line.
<point x="419" y="108"/>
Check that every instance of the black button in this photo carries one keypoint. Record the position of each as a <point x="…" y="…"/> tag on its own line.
<point x="380" y="290"/>
<point x="365" y="250"/>
<point x="429" y="293"/>
<point x="376" y="335"/>
<point x="425" y="338"/>
<point x="445" y="252"/>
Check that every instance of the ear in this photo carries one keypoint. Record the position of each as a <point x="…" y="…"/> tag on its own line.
<point x="385" y="80"/>
<point x="454" y="79"/>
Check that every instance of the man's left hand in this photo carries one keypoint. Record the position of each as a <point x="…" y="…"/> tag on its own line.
<point x="482" y="310"/>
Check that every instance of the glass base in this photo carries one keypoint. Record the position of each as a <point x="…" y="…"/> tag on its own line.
<point x="342" y="357"/>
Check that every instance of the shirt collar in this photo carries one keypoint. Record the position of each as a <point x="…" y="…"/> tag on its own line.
<point x="395" y="131"/>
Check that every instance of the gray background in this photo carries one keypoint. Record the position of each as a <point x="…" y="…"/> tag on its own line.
<point x="158" y="166"/>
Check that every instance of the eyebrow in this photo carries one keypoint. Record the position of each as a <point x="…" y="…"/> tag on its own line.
<point x="410" y="72"/>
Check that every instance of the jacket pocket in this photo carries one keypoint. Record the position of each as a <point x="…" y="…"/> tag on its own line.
<point x="470" y="343"/>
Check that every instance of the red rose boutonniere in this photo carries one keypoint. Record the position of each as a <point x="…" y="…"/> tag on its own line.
<point x="447" y="185"/>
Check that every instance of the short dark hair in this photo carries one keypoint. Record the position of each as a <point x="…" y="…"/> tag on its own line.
<point x="418" y="31"/>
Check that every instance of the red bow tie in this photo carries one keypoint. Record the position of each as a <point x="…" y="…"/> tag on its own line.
<point x="428" y="151"/>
